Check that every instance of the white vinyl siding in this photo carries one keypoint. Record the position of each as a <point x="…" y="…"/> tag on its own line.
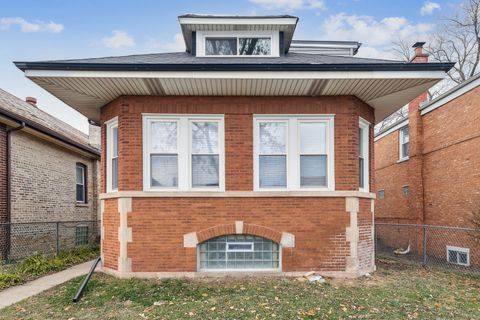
<point x="183" y="153"/>
<point x="294" y="153"/>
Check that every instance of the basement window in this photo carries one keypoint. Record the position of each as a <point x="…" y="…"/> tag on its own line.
<point x="458" y="255"/>
<point x="81" y="235"/>
<point x="239" y="253"/>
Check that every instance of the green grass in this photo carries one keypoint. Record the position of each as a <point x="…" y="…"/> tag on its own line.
<point x="393" y="292"/>
<point x="38" y="265"/>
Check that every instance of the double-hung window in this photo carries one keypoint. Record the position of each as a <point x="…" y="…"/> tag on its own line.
<point x="183" y="153"/>
<point x="363" y="151"/>
<point x="112" y="155"/>
<point x="81" y="183"/>
<point x="404" y="140"/>
<point x="293" y="153"/>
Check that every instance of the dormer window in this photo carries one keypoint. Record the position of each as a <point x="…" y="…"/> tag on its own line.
<point x="219" y="44"/>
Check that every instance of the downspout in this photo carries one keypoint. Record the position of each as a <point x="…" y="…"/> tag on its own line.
<point x="9" y="178"/>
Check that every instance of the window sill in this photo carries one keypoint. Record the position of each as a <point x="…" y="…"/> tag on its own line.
<point x="403" y="159"/>
<point x="85" y="205"/>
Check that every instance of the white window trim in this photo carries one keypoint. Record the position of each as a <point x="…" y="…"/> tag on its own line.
<point x="183" y="150"/>
<point x="293" y="152"/>
<point x="365" y="125"/>
<point x="273" y="35"/>
<point x="84" y="180"/>
<point x="462" y="250"/>
<point x="401" y="157"/>
<point x="110" y="124"/>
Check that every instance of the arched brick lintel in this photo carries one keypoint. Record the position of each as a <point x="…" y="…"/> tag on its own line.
<point x="194" y="238"/>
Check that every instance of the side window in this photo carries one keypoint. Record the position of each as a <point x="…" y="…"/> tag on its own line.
<point x="381" y="194"/>
<point x="81" y="183"/>
<point x="363" y="154"/>
<point x="404" y="141"/>
<point x="112" y="155"/>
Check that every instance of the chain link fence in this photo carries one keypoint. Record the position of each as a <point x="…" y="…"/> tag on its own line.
<point x="447" y="247"/>
<point x="20" y="240"/>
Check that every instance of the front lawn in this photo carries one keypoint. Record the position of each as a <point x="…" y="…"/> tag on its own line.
<point x="395" y="291"/>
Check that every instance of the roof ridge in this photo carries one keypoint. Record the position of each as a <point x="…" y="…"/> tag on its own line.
<point x="34" y="118"/>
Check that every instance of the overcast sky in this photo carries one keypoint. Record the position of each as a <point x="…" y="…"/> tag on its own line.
<point x="59" y="29"/>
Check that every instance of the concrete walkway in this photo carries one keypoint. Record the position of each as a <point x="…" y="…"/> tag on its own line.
<point x="17" y="293"/>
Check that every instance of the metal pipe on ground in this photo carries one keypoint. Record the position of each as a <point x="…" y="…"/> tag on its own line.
<point x="80" y="290"/>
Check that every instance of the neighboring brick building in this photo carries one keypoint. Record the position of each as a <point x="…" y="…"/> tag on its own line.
<point x="437" y="182"/>
<point x="237" y="155"/>
<point x="41" y="160"/>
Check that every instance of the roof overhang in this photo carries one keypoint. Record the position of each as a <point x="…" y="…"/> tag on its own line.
<point x="88" y="90"/>
<point x="190" y="23"/>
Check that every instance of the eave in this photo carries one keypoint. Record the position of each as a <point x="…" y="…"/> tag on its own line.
<point x="88" y="87"/>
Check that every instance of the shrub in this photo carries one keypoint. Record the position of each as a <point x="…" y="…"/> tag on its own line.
<point x="39" y="264"/>
<point x="8" y="280"/>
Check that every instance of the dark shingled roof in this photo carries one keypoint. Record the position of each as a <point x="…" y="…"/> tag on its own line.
<point x="185" y="58"/>
<point x="182" y="61"/>
<point x="23" y="111"/>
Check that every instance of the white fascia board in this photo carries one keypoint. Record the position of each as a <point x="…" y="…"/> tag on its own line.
<point x="239" y="21"/>
<point x="392" y="129"/>
<point x="367" y="75"/>
<point x="455" y="94"/>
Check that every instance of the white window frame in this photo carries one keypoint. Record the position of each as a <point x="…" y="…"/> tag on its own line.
<point x="184" y="122"/>
<point x="83" y="184"/>
<point x="273" y="35"/>
<point x="461" y="250"/>
<point x="365" y="126"/>
<point x="110" y="125"/>
<point x="293" y="150"/>
<point x="401" y="156"/>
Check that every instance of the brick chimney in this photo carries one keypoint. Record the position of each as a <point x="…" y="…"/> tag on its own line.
<point x="31" y="100"/>
<point x="415" y="162"/>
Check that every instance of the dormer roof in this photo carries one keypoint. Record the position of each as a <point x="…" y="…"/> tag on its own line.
<point x="191" y="23"/>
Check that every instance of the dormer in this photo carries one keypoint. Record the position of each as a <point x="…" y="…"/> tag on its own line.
<point x="237" y="36"/>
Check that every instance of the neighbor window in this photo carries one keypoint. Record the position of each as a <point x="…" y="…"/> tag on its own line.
<point x="404" y="143"/>
<point x="81" y="235"/>
<point x="457" y="255"/>
<point x="363" y="150"/>
<point x="381" y="194"/>
<point x="112" y="155"/>
<point x="183" y="152"/>
<point x="293" y="153"/>
<point x="81" y="185"/>
<point x="238" y="252"/>
<point x="406" y="191"/>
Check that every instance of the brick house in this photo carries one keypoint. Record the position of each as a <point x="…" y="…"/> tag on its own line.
<point x="427" y="172"/>
<point x="49" y="172"/>
<point x="248" y="152"/>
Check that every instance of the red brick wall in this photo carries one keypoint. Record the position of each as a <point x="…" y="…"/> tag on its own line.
<point x="238" y="132"/>
<point x="445" y="160"/>
<point x="158" y="224"/>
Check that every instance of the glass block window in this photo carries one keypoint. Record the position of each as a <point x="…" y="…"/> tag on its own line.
<point x="81" y="235"/>
<point x="239" y="252"/>
<point x="457" y="255"/>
